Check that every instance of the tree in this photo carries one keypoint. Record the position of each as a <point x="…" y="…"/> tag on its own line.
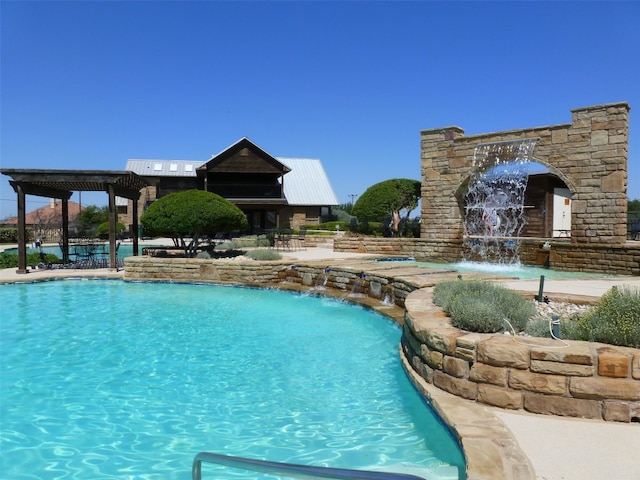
<point x="102" y="231"/>
<point x="388" y="198"/>
<point x="89" y="218"/>
<point x="188" y="216"/>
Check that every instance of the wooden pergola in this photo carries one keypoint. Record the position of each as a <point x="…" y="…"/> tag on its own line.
<point x="61" y="184"/>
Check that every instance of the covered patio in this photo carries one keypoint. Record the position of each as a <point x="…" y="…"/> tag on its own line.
<point x="60" y="184"/>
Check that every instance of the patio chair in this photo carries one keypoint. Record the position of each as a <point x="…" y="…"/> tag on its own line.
<point x="283" y="240"/>
<point x="299" y="239"/>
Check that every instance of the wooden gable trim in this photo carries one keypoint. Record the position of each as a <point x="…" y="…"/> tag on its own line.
<point x="244" y="156"/>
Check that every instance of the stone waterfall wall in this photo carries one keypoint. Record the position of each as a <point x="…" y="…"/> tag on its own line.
<point x="589" y="155"/>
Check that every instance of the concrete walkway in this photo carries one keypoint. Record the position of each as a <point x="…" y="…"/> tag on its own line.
<point x="559" y="448"/>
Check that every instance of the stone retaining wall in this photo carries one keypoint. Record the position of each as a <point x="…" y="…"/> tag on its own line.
<point x="267" y="274"/>
<point x="598" y="258"/>
<point x="576" y="379"/>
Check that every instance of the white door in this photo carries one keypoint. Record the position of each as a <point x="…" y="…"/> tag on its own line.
<point x="561" y="212"/>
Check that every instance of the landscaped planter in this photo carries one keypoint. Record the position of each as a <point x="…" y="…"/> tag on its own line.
<point x="572" y="378"/>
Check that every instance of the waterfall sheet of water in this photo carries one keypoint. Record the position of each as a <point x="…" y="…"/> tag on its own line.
<point x="388" y="299"/>
<point x="321" y="282"/>
<point x="494" y="202"/>
<point x="358" y="287"/>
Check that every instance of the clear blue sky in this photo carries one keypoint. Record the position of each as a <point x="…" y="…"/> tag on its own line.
<point x="88" y="85"/>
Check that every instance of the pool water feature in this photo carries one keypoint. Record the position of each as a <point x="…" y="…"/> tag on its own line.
<point x="118" y="380"/>
<point x="494" y="201"/>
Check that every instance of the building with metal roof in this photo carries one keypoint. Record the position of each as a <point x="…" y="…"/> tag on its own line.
<point x="273" y="192"/>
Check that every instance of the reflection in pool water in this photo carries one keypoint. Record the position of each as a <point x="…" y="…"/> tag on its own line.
<point x="119" y="380"/>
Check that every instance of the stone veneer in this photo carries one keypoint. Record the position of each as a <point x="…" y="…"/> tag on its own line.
<point x="266" y="274"/>
<point x="589" y="155"/>
<point x="598" y="258"/>
<point x="576" y="379"/>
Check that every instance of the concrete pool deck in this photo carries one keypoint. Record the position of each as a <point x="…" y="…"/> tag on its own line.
<point x="559" y="448"/>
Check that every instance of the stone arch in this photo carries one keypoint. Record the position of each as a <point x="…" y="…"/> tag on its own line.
<point x="558" y="173"/>
<point x="589" y="155"/>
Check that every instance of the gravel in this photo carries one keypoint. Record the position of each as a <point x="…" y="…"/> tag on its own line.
<point x="564" y="310"/>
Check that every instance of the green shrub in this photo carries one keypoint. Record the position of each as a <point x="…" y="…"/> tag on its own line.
<point x="10" y="235"/>
<point x="371" y="229"/>
<point x="203" y="254"/>
<point x="265" y="241"/>
<point x="10" y="260"/>
<point x="263" y="254"/>
<point x="476" y="313"/>
<point x="330" y="226"/>
<point x="479" y="306"/>
<point x="615" y="319"/>
<point x="102" y="231"/>
<point x="540" y="327"/>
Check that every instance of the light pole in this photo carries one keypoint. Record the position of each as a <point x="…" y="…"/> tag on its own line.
<point x="352" y="196"/>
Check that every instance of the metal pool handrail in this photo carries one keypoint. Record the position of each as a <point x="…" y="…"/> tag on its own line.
<point x="291" y="470"/>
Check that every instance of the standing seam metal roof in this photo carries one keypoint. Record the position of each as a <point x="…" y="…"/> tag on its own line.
<point x="307" y="183"/>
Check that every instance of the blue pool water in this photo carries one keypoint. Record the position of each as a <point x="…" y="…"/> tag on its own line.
<point x="117" y="380"/>
<point x="125" y="250"/>
<point x="520" y="271"/>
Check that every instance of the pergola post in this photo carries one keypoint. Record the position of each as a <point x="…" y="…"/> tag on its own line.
<point x="134" y="212"/>
<point x="61" y="184"/>
<point x="65" y="230"/>
<point x="112" y="228"/>
<point x="22" y="229"/>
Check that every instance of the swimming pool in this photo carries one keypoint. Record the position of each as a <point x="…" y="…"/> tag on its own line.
<point x="124" y="250"/>
<point x="111" y="379"/>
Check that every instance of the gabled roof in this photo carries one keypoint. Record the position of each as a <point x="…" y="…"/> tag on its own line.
<point x="243" y="156"/>
<point x="305" y="180"/>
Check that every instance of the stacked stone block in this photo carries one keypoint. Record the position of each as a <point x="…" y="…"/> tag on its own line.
<point x="264" y="274"/>
<point x="563" y="255"/>
<point x="578" y="379"/>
